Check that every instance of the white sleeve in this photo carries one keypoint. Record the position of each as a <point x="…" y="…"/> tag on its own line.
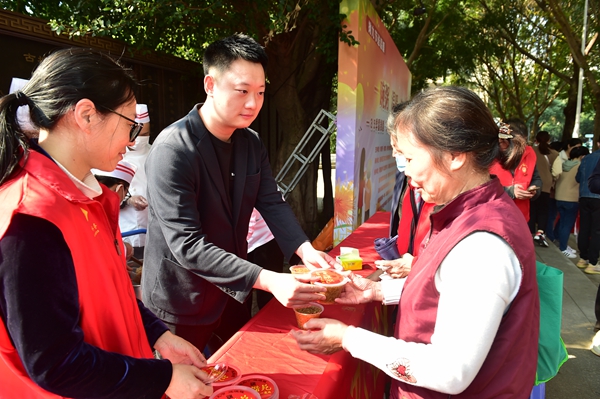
<point x="557" y="167"/>
<point x="477" y="281"/>
<point x="391" y="290"/>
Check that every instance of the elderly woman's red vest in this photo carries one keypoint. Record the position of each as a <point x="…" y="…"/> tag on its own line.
<point x="510" y="366"/>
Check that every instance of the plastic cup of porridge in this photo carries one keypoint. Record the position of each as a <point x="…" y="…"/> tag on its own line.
<point x="332" y="280"/>
<point x="299" y="269"/>
<point x="306" y="313"/>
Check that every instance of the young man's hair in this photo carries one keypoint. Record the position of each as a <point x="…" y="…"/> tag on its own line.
<point x="222" y="53"/>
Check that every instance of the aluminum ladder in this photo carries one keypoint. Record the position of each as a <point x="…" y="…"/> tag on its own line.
<point x="298" y="155"/>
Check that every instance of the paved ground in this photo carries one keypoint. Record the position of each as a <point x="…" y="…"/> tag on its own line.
<point x="579" y="377"/>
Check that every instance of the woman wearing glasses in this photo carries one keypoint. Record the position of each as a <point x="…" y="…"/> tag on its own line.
<point x="71" y="325"/>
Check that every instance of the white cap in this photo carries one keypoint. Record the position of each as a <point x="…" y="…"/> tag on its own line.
<point x="141" y="113"/>
<point x="123" y="171"/>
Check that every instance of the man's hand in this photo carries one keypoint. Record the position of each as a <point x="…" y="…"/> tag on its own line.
<point x="326" y="340"/>
<point x="178" y="350"/>
<point x="314" y="259"/>
<point x="288" y="290"/>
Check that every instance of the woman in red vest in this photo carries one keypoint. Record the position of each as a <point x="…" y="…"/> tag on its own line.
<point x="468" y="318"/>
<point x="70" y="322"/>
<point x="516" y="167"/>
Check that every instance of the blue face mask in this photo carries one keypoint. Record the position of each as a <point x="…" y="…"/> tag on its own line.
<point x="400" y="162"/>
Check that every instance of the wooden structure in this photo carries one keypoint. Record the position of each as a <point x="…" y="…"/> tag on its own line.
<point x="170" y="85"/>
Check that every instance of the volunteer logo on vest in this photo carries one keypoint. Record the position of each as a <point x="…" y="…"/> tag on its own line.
<point x="94" y="227"/>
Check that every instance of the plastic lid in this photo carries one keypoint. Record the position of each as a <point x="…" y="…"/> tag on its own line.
<point x="266" y="387"/>
<point x="231" y="377"/>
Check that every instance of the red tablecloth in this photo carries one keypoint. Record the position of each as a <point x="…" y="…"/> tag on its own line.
<point x="265" y="346"/>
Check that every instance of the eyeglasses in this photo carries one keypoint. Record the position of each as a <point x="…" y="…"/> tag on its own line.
<point x="136" y="127"/>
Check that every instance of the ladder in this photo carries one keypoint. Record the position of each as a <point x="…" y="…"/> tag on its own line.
<point x="297" y="155"/>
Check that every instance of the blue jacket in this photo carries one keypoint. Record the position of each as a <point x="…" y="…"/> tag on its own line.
<point x="588" y="163"/>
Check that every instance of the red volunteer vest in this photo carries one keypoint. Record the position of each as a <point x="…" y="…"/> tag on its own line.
<point x="109" y="314"/>
<point x="404" y="228"/>
<point x="510" y="366"/>
<point x="523" y="176"/>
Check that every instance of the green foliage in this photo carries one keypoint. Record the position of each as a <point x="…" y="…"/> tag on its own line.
<point x="511" y="51"/>
<point x="552" y="120"/>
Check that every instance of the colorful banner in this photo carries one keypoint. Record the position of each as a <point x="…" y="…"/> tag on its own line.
<point x="372" y="77"/>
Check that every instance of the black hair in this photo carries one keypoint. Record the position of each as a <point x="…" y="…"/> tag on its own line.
<point x="518" y="126"/>
<point x="557" y="145"/>
<point x="511" y="156"/>
<point x="452" y="119"/>
<point x="543" y="137"/>
<point x="110" y="181"/>
<point x="222" y="53"/>
<point x="574" y="141"/>
<point x="576" y="152"/>
<point x="61" y="80"/>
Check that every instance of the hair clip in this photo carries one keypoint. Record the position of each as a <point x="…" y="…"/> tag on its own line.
<point x="505" y="131"/>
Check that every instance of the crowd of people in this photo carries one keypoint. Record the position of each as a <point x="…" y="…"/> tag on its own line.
<point x="467" y="323"/>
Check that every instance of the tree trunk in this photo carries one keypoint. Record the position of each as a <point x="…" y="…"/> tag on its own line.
<point x="300" y="86"/>
<point x="570" y="109"/>
<point x="596" y="124"/>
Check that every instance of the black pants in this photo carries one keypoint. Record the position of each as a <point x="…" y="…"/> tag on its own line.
<point x="588" y="239"/>
<point x="196" y="335"/>
<point x="538" y="213"/>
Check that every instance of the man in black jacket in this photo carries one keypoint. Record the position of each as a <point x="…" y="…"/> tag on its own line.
<point x="206" y="172"/>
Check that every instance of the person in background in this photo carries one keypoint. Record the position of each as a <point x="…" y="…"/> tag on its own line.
<point x="538" y="210"/>
<point x="263" y="251"/>
<point x="134" y="212"/>
<point x="118" y="181"/>
<point x="468" y="322"/>
<point x="550" y="231"/>
<point x="594" y="186"/>
<point x="516" y="167"/>
<point x="410" y="214"/>
<point x="588" y="239"/>
<point x="206" y="174"/>
<point x="400" y="184"/>
<point x="71" y="326"/>
<point x="567" y="195"/>
<point x="563" y="156"/>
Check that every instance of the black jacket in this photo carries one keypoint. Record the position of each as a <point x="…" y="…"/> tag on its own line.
<point x="196" y="240"/>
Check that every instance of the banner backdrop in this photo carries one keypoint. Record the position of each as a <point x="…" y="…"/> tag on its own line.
<point x="372" y="77"/>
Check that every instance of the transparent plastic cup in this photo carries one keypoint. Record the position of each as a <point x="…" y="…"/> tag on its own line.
<point x="303" y="315"/>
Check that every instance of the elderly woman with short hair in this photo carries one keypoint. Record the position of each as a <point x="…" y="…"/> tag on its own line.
<point x="468" y="316"/>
